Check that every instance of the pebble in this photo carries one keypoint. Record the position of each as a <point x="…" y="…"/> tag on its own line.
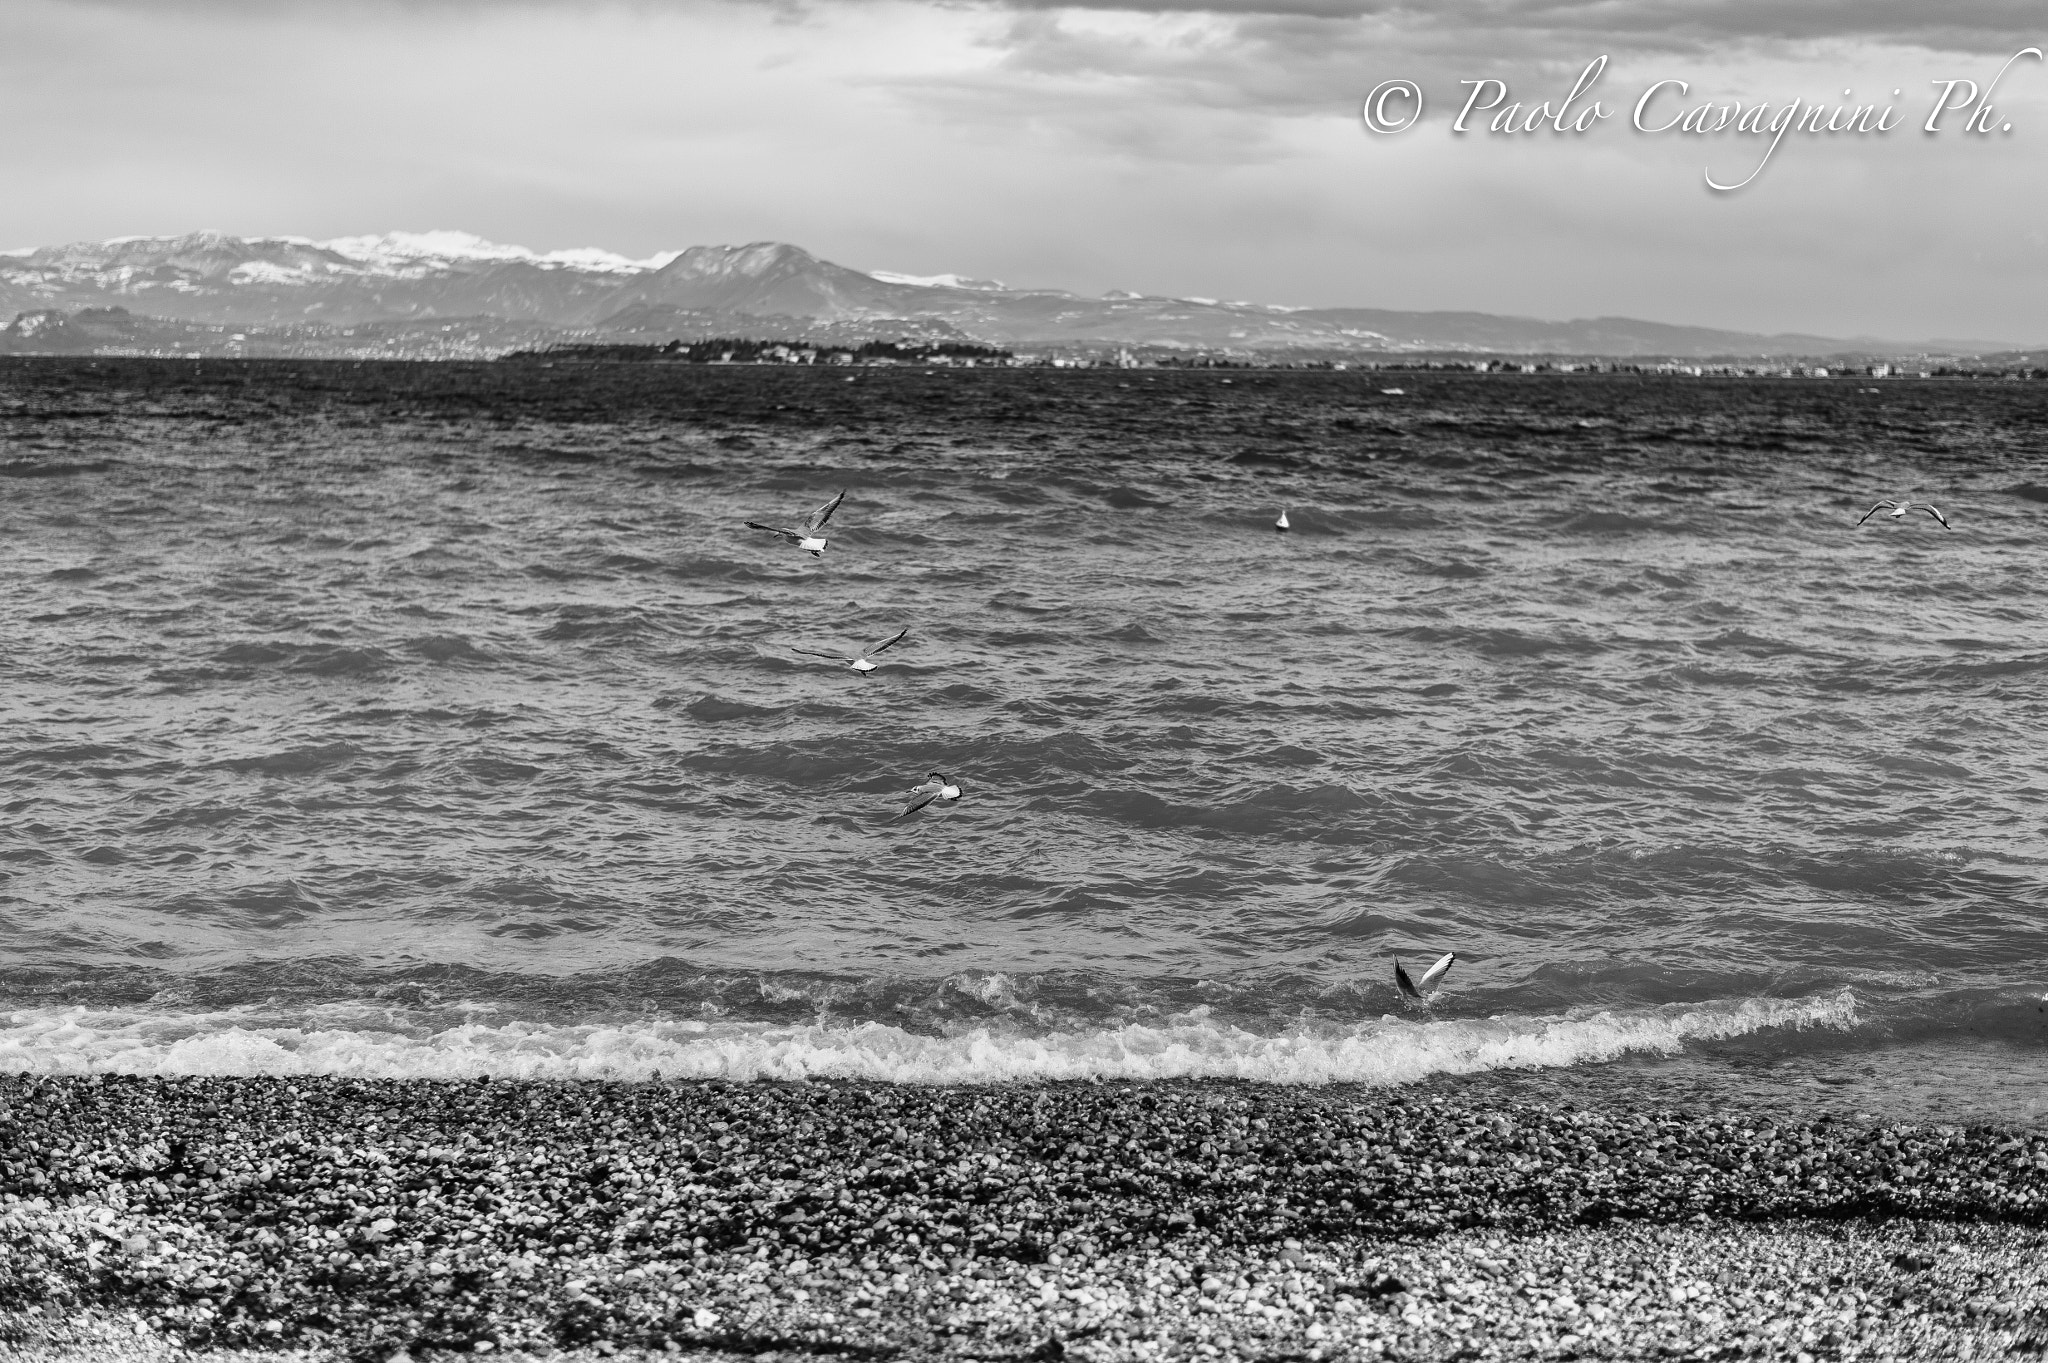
<point x="402" y="1221"/>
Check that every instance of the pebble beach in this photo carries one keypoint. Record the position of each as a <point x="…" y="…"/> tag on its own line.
<point x="145" y="1218"/>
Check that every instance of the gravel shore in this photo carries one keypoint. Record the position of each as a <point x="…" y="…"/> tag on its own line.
<point x="366" y="1219"/>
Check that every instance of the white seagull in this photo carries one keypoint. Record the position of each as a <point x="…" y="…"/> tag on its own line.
<point x="1423" y="992"/>
<point x="1281" y="524"/>
<point x="937" y="787"/>
<point x="860" y="662"/>
<point x="1899" y="510"/>
<point x="807" y="537"/>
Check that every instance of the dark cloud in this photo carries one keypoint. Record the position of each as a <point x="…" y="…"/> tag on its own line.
<point x="1647" y="25"/>
<point x="1075" y="62"/>
<point x="1634" y="25"/>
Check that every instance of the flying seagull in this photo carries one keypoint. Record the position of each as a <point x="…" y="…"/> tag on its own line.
<point x="1430" y="976"/>
<point x="935" y="788"/>
<point x="1899" y="510"/>
<point x="807" y="538"/>
<point x="860" y="662"/>
<point x="1281" y="524"/>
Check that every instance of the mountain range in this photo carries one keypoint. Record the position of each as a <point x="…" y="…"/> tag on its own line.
<point x="450" y="294"/>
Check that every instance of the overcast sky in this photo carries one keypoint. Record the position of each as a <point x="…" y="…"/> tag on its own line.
<point x="1180" y="148"/>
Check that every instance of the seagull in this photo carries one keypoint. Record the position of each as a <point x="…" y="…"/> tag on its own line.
<point x="1899" y="510"/>
<point x="807" y="539"/>
<point x="1430" y="976"/>
<point x="937" y="787"/>
<point x="1281" y="524"/>
<point x="860" y="662"/>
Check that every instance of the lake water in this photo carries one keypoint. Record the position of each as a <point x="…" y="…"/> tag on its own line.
<point x="445" y="719"/>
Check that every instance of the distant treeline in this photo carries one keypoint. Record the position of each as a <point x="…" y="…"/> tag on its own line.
<point x="738" y="350"/>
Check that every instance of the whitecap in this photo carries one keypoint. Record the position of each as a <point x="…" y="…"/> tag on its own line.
<point x="364" y="1043"/>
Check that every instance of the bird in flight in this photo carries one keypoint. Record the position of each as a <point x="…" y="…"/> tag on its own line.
<point x="1899" y="510"/>
<point x="1423" y="992"/>
<point x="936" y="787"/>
<point x="807" y="537"/>
<point x="862" y="663"/>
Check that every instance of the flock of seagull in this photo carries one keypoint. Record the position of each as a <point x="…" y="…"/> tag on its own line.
<point x="809" y="536"/>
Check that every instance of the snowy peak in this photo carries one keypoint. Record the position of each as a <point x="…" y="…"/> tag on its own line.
<point x="940" y="281"/>
<point x="764" y="268"/>
<point x="213" y="277"/>
<point x="281" y="260"/>
<point x="196" y="255"/>
<point x="399" y="250"/>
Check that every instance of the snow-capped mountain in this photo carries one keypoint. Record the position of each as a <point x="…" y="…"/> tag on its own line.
<point x="215" y="278"/>
<point x="399" y="250"/>
<point x="940" y="281"/>
<point x="406" y="282"/>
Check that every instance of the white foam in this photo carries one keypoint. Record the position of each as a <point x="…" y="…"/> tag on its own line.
<point x="374" y="1043"/>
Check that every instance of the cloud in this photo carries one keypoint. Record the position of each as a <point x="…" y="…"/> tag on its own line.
<point x="1072" y="60"/>
<point x="1150" y="82"/>
<point x="1531" y="27"/>
<point x="1637" y="25"/>
<point x="1646" y="26"/>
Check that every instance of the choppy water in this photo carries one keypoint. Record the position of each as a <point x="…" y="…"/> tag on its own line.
<point x="428" y="719"/>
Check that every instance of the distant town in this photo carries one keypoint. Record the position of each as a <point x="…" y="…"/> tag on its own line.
<point x="750" y="351"/>
<point x="113" y="332"/>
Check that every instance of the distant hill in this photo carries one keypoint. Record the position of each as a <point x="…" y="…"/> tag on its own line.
<point x="412" y="289"/>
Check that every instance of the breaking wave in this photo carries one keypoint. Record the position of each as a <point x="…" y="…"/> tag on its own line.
<point x="345" y="1041"/>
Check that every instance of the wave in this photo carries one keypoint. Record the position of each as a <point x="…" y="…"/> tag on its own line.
<point x="361" y="1042"/>
<point x="320" y="660"/>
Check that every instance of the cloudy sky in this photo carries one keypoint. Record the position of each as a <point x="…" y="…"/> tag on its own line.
<point x="1166" y="146"/>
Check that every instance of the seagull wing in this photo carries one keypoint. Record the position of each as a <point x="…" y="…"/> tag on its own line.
<point x="1406" y="985"/>
<point x="789" y="535"/>
<point x="1874" y="510"/>
<point x="835" y="657"/>
<point x="816" y="520"/>
<point x="1931" y="509"/>
<point x="1436" y="972"/>
<point x="924" y="795"/>
<point x="879" y="647"/>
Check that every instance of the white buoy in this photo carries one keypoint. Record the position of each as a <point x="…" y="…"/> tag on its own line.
<point x="1281" y="524"/>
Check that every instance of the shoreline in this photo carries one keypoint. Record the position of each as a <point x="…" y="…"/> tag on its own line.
<point x="363" y="1218"/>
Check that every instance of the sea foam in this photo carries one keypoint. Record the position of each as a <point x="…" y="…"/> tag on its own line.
<point x="339" y="1040"/>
